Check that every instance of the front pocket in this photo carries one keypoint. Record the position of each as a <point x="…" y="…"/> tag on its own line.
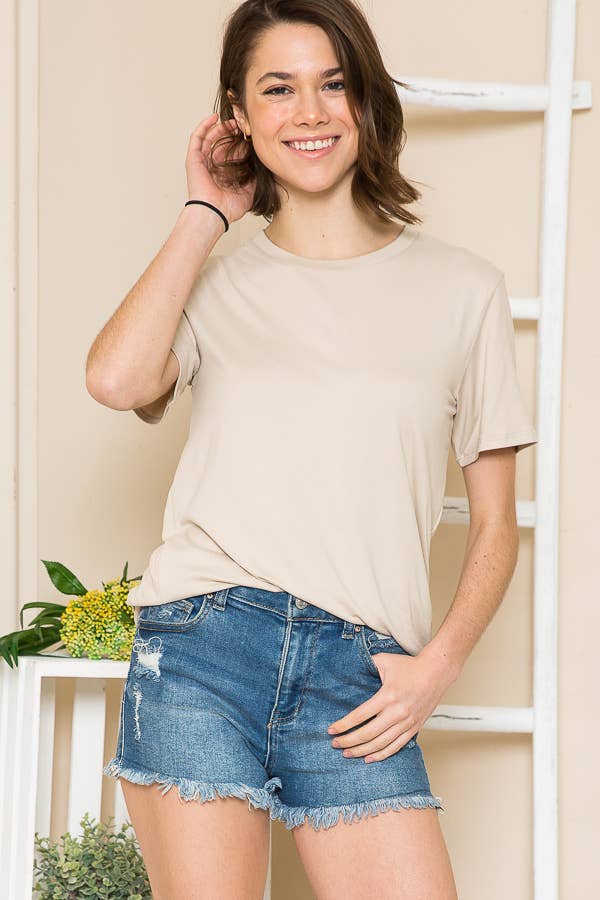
<point x="371" y="642"/>
<point x="374" y="642"/>
<point x="175" y="615"/>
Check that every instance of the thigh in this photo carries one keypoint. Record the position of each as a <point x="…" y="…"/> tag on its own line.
<point x="395" y="855"/>
<point x="191" y="748"/>
<point x="192" y="849"/>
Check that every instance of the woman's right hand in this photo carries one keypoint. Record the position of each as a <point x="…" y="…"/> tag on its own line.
<point x="202" y="183"/>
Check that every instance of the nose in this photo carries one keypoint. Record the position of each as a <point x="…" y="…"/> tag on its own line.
<point x="310" y="109"/>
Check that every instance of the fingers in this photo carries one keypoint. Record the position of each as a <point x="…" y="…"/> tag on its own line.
<point x="201" y="131"/>
<point x="198" y="142"/>
<point x="206" y="132"/>
<point x="359" y="714"/>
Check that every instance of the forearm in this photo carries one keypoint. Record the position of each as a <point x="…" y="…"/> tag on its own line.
<point x="490" y="559"/>
<point x="131" y="350"/>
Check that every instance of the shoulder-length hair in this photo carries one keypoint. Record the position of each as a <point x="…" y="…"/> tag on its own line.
<point x="378" y="188"/>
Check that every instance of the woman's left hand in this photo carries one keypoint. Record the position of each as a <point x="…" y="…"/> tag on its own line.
<point x="410" y="691"/>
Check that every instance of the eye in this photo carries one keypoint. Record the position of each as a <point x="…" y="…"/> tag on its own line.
<point x="282" y="87"/>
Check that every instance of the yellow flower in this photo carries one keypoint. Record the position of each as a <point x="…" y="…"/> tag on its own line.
<point x="100" y="624"/>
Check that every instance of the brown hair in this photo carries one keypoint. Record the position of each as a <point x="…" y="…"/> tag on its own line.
<point x="378" y="188"/>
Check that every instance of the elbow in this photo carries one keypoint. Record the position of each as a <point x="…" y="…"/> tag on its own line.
<point x="106" y="393"/>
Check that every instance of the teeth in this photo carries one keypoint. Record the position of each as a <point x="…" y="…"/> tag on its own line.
<point x="311" y="145"/>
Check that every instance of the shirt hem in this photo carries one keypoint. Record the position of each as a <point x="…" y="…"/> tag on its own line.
<point x="519" y="440"/>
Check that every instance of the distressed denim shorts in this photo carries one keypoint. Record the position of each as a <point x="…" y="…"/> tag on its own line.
<point x="231" y="694"/>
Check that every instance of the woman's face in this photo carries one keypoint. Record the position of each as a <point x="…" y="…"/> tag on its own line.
<point x="295" y="92"/>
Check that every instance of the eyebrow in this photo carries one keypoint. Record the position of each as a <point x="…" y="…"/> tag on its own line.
<point x="289" y="76"/>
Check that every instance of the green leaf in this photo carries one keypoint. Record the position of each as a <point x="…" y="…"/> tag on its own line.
<point x="51" y="620"/>
<point x="27" y="641"/>
<point x="6" y="655"/>
<point x="63" y="579"/>
<point x="55" y="609"/>
<point x="45" y="633"/>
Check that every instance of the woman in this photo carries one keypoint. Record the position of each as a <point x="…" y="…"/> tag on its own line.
<point x="283" y="663"/>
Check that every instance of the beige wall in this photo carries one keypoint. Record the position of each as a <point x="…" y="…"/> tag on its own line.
<point x="121" y="87"/>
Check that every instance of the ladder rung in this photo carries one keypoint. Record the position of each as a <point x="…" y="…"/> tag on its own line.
<point x="525" y="307"/>
<point x="456" y="511"/>
<point x="487" y="95"/>
<point x="446" y="717"/>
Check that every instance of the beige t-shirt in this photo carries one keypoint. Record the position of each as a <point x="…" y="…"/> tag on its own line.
<point x="325" y="397"/>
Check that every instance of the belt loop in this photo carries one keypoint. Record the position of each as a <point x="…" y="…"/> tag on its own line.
<point x="220" y="598"/>
<point x="350" y="629"/>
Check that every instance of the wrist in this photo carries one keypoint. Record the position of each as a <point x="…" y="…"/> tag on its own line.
<point x="216" y="209"/>
<point x="202" y="220"/>
<point x="199" y="227"/>
<point x="442" y="665"/>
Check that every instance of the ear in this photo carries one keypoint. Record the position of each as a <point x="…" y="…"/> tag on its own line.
<point x="237" y="111"/>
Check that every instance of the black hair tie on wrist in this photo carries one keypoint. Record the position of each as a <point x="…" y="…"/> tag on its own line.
<point x="205" y="203"/>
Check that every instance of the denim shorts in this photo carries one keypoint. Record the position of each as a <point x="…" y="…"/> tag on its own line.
<point x="231" y="693"/>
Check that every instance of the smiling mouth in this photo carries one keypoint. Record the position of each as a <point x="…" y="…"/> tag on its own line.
<point x="312" y="151"/>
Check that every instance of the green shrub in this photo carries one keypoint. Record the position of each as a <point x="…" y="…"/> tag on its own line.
<point x="101" y="863"/>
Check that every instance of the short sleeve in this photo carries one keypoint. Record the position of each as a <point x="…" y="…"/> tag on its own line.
<point x="185" y="348"/>
<point x="490" y="408"/>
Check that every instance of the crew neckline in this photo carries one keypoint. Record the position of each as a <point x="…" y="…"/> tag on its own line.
<point x="400" y="243"/>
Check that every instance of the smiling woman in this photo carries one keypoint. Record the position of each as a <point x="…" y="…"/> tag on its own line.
<point x="333" y="359"/>
<point x="310" y="102"/>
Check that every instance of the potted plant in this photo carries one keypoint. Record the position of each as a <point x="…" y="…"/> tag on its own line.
<point x="101" y="864"/>
<point x="98" y="624"/>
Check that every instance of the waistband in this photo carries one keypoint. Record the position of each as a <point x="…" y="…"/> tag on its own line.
<point x="281" y="602"/>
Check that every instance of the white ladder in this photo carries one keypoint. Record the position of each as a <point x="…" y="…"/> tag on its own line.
<point x="556" y="98"/>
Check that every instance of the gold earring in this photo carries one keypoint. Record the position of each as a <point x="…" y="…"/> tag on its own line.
<point x="246" y="137"/>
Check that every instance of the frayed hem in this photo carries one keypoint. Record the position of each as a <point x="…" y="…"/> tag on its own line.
<point x="327" y="816"/>
<point x="258" y="798"/>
